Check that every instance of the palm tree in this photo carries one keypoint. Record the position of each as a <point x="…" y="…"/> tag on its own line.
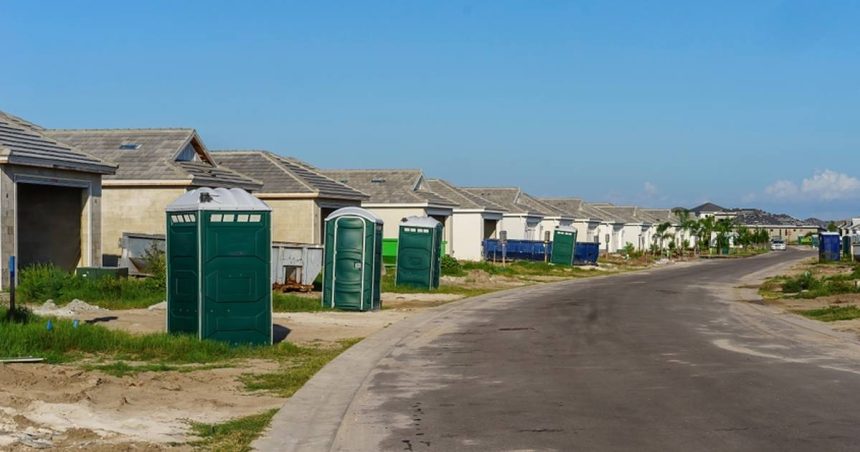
<point x="706" y="228"/>
<point x="662" y="235"/>
<point x="724" y="228"/>
<point x="687" y="225"/>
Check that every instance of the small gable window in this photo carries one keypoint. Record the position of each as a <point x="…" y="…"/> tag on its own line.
<point x="189" y="154"/>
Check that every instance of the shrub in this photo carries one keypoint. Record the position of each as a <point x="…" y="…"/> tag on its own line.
<point x="800" y="283"/>
<point x="451" y="267"/>
<point x="42" y="282"/>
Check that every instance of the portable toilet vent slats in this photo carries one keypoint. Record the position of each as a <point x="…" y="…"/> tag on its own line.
<point x="218" y="252"/>
<point x="419" y="252"/>
<point x="352" y="271"/>
<point x="563" y="245"/>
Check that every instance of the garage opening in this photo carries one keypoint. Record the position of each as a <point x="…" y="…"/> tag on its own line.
<point x="324" y="213"/>
<point x="49" y="225"/>
<point x="490" y="229"/>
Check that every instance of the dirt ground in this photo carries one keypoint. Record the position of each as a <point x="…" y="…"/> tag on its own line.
<point x="59" y="406"/>
<point x="66" y="407"/>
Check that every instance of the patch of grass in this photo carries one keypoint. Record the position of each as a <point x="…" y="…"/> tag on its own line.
<point x="121" y="368"/>
<point x="232" y="436"/>
<point x="296" y="371"/>
<point x="43" y="282"/>
<point x="284" y="302"/>
<point x="832" y="313"/>
<point x="389" y="285"/>
<point x="65" y="343"/>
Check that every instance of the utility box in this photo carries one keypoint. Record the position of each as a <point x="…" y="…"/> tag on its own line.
<point x="218" y="252"/>
<point x="563" y="245"/>
<point x="830" y="247"/>
<point x="352" y="268"/>
<point x="419" y="253"/>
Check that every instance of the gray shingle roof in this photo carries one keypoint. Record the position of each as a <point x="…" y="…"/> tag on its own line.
<point x="390" y="186"/>
<point x="535" y="204"/>
<point x="285" y="175"/>
<point x="507" y="197"/>
<point x="660" y="215"/>
<point x="24" y="143"/>
<point x="628" y="214"/>
<point x="151" y="154"/>
<point x="579" y="209"/>
<point x="463" y="198"/>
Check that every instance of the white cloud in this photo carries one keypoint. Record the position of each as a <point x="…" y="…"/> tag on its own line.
<point x="830" y="185"/>
<point x="826" y="185"/>
<point x="782" y="189"/>
<point x="650" y="189"/>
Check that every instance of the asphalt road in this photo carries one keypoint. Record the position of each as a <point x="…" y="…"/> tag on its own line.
<point x="664" y="360"/>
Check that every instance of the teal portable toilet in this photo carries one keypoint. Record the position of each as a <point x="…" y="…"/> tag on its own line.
<point x="219" y="243"/>
<point x="352" y="266"/>
<point x="563" y="245"/>
<point x="419" y="252"/>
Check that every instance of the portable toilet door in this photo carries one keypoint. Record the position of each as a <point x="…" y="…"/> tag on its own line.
<point x="183" y="277"/>
<point x="829" y="248"/>
<point x="563" y="245"/>
<point x="233" y="259"/>
<point x="418" y="254"/>
<point x="352" y="269"/>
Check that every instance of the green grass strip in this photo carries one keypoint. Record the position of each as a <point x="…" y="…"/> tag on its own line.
<point x="832" y="313"/>
<point x="232" y="436"/>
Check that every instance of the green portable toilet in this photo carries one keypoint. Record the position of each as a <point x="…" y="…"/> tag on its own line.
<point x="419" y="252"/>
<point x="352" y="271"/>
<point x="563" y="245"/>
<point x="219" y="243"/>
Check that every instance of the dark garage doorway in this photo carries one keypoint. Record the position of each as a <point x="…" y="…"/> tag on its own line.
<point x="49" y="225"/>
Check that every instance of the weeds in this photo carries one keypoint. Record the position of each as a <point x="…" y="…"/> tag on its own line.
<point x="43" y="282"/>
<point x="809" y="286"/>
<point x="282" y="302"/>
<point x="296" y="371"/>
<point x="832" y="313"/>
<point x="121" y="368"/>
<point x="451" y="267"/>
<point x="234" y="435"/>
<point x="65" y="343"/>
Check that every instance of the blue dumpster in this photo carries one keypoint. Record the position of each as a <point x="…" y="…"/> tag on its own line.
<point x="830" y="247"/>
<point x="586" y="253"/>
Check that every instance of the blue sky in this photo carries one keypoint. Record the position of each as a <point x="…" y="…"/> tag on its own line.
<point x="653" y="103"/>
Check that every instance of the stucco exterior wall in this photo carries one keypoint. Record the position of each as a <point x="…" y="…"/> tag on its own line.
<point x="392" y="216"/>
<point x="467" y="233"/>
<point x="133" y="209"/>
<point x="91" y="212"/>
<point x="295" y="220"/>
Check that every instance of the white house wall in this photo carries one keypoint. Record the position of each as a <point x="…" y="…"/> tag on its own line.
<point x="467" y="236"/>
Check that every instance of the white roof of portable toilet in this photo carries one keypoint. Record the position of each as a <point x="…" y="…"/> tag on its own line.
<point x="355" y="211"/>
<point x="217" y="199"/>
<point x="420" y="222"/>
<point x="565" y="228"/>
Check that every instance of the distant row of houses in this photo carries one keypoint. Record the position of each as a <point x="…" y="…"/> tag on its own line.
<point x="68" y="195"/>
